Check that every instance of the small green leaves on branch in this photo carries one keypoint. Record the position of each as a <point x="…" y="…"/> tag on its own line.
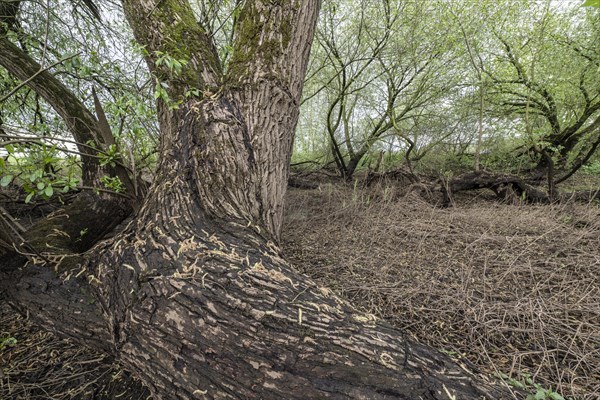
<point x="174" y="65"/>
<point x="591" y="3"/>
<point x="110" y="156"/>
<point x="192" y="93"/>
<point x="6" y="180"/>
<point x="113" y="183"/>
<point x="160" y="92"/>
<point x="40" y="170"/>
<point x="170" y="68"/>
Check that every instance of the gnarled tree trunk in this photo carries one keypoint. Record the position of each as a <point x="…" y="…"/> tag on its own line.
<point x="192" y="295"/>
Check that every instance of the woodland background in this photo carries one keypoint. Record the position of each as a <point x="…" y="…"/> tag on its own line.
<point x="444" y="177"/>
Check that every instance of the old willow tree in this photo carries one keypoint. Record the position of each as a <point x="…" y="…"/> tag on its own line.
<point x="192" y="295"/>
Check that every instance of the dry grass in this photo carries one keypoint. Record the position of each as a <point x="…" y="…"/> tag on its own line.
<point x="42" y="366"/>
<point x="509" y="289"/>
<point x="513" y="290"/>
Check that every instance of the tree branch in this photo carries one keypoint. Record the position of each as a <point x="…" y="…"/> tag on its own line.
<point x="170" y="28"/>
<point x="81" y="122"/>
<point x="269" y="35"/>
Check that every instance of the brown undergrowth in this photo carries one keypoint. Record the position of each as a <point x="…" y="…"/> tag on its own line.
<point x="507" y="289"/>
<point x="512" y="290"/>
<point x="35" y="364"/>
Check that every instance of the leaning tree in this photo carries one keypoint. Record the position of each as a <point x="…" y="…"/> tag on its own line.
<point x="545" y="77"/>
<point x="192" y="294"/>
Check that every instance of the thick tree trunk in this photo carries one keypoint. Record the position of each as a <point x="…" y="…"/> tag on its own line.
<point x="353" y="164"/>
<point x="198" y="308"/>
<point x="192" y="295"/>
<point x="197" y="302"/>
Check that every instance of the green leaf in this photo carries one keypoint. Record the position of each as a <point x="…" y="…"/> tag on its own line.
<point x="7" y="342"/>
<point x="556" y="396"/>
<point x="591" y="3"/>
<point x="517" y="384"/>
<point x="540" y="394"/>
<point x="35" y="175"/>
<point x="6" y="179"/>
<point x="41" y="185"/>
<point x="49" y="191"/>
<point x="29" y="196"/>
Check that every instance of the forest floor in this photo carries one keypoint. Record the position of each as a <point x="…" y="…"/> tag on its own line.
<point x="509" y="290"/>
<point x="512" y="290"/>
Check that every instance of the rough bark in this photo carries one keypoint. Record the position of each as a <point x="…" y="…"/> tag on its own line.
<point x="199" y="308"/>
<point x="192" y="295"/>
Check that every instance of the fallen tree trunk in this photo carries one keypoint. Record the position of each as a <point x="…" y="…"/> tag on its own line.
<point x="585" y="196"/>
<point x="508" y="188"/>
